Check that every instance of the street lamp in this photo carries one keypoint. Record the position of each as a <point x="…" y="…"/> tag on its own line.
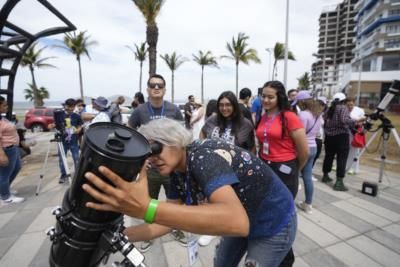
<point x="269" y="50"/>
<point x="286" y="45"/>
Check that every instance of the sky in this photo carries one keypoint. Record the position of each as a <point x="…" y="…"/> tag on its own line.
<point x="185" y="26"/>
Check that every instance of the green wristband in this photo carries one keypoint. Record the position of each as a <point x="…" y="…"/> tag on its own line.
<point x="151" y="211"/>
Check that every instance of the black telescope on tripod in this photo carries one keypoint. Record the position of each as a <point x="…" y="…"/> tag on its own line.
<point x="85" y="237"/>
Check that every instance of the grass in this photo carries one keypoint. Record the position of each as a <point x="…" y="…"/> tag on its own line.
<point x="371" y="156"/>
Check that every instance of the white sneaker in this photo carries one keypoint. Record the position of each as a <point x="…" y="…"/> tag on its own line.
<point x="13" y="199"/>
<point x="299" y="186"/>
<point x="314" y="179"/>
<point x="205" y="240"/>
<point x="13" y="192"/>
<point x="307" y="208"/>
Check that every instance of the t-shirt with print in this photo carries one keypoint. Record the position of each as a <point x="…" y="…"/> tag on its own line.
<point x="145" y="113"/>
<point x="243" y="138"/>
<point x="212" y="164"/>
<point x="312" y="126"/>
<point x="280" y="149"/>
<point x="72" y="121"/>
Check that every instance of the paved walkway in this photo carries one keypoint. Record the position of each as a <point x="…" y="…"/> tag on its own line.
<point x="345" y="229"/>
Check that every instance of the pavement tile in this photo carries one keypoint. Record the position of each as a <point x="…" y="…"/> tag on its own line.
<point x="376" y="251"/>
<point x="394" y="229"/>
<point x="321" y="258"/>
<point x="382" y="212"/>
<point x="348" y="219"/>
<point x="6" y="217"/>
<point x="303" y="245"/>
<point x="23" y="250"/>
<point x="19" y="223"/>
<point x="385" y="238"/>
<point x="299" y="262"/>
<point x="6" y="243"/>
<point x="315" y="232"/>
<point x="331" y="225"/>
<point x="327" y="189"/>
<point x="362" y="213"/>
<point x="351" y="256"/>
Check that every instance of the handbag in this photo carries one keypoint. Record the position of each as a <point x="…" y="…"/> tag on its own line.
<point x="359" y="139"/>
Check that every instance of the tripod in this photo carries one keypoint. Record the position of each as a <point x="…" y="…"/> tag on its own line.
<point x="386" y="128"/>
<point x="57" y="139"/>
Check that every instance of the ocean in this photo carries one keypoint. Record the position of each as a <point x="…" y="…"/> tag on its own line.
<point x="20" y="107"/>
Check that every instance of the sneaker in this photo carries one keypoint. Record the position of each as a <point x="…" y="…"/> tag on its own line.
<point x="314" y="179"/>
<point x="326" y="178"/>
<point x="333" y="168"/>
<point x="180" y="237"/>
<point x="145" y="246"/>
<point x="351" y="172"/>
<point x="205" y="240"/>
<point x="13" y="200"/>
<point x="63" y="179"/>
<point x="13" y="192"/>
<point x="307" y="208"/>
<point x="339" y="185"/>
<point x="299" y="186"/>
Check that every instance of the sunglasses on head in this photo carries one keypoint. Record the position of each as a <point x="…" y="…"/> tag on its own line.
<point x="154" y="85"/>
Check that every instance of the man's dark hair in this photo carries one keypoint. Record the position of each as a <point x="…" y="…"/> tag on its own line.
<point x="245" y="92"/>
<point x="259" y="91"/>
<point x="156" y="76"/>
<point x="291" y="91"/>
<point x="70" y="102"/>
<point x="189" y="97"/>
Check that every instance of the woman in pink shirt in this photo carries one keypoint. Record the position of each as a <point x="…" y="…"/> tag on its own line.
<point x="10" y="162"/>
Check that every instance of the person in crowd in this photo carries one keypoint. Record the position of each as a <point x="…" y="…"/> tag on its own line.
<point x="100" y="104"/>
<point x="282" y="140"/>
<point x="189" y="107"/>
<point x="10" y="161"/>
<point x="356" y="113"/>
<point x="80" y="108"/>
<point x="244" y="103"/>
<point x="247" y="203"/>
<point x="310" y="116"/>
<point x="138" y="100"/>
<point x="115" y="109"/>
<point x="211" y="108"/>
<point x="292" y="93"/>
<point x="256" y="107"/>
<point x="229" y="123"/>
<point x="197" y="119"/>
<point x="337" y="122"/>
<point x="321" y="100"/>
<point x="73" y="125"/>
<point x="156" y="108"/>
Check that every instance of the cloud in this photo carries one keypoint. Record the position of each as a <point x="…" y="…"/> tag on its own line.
<point x="185" y="27"/>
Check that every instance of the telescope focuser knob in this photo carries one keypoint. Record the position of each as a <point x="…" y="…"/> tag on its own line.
<point x="56" y="211"/>
<point x="51" y="232"/>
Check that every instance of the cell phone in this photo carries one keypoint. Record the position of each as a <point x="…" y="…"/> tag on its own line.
<point x="285" y="169"/>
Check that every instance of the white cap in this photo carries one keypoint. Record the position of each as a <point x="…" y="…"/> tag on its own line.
<point x="339" y="96"/>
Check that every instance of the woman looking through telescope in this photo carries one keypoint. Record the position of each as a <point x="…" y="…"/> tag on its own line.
<point x="247" y="204"/>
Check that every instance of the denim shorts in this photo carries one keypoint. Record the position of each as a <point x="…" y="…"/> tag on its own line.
<point x="261" y="252"/>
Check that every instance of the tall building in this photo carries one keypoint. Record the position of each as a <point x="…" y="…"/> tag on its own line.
<point x="377" y="52"/>
<point x="335" y="47"/>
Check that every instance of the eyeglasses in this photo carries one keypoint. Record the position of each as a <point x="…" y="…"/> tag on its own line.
<point x="158" y="85"/>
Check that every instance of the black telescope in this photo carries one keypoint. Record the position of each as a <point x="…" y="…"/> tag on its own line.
<point x="85" y="237"/>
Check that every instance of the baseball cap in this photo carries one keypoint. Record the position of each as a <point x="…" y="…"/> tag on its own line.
<point x="302" y="95"/>
<point x="339" y="96"/>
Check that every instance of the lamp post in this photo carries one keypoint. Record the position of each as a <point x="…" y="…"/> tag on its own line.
<point x="285" y="71"/>
<point x="269" y="50"/>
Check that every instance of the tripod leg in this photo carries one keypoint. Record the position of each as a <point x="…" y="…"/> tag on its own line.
<point x="396" y="136"/>
<point x="64" y="159"/>
<point x="357" y="156"/>
<point x="385" y="138"/>
<point x="43" y="170"/>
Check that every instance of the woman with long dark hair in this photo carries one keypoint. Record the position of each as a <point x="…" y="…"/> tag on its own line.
<point x="229" y="123"/>
<point x="282" y="139"/>
<point x="337" y="124"/>
<point x="10" y="161"/>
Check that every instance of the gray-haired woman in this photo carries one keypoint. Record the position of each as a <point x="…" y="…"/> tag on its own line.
<point x="247" y="204"/>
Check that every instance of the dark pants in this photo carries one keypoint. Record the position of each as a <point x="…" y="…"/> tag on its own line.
<point x="291" y="180"/>
<point x="319" y="149"/>
<point x="155" y="181"/>
<point x="336" y="145"/>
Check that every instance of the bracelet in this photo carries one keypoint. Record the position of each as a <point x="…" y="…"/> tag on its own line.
<point x="151" y="211"/>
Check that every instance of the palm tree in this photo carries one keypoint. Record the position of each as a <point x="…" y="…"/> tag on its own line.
<point x="32" y="59"/>
<point x="78" y="45"/>
<point x="279" y="54"/>
<point x="39" y="94"/>
<point x="304" y="81"/>
<point x="150" y="10"/>
<point x="140" y="54"/>
<point x="173" y="62"/>
<point x="240" y="53"/>
<point x="204" y="59"/>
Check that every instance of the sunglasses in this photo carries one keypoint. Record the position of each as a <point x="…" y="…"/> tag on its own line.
<point x="158" y="85"/>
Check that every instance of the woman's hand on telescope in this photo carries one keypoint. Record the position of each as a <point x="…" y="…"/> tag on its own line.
<point x="130" y="198"/>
